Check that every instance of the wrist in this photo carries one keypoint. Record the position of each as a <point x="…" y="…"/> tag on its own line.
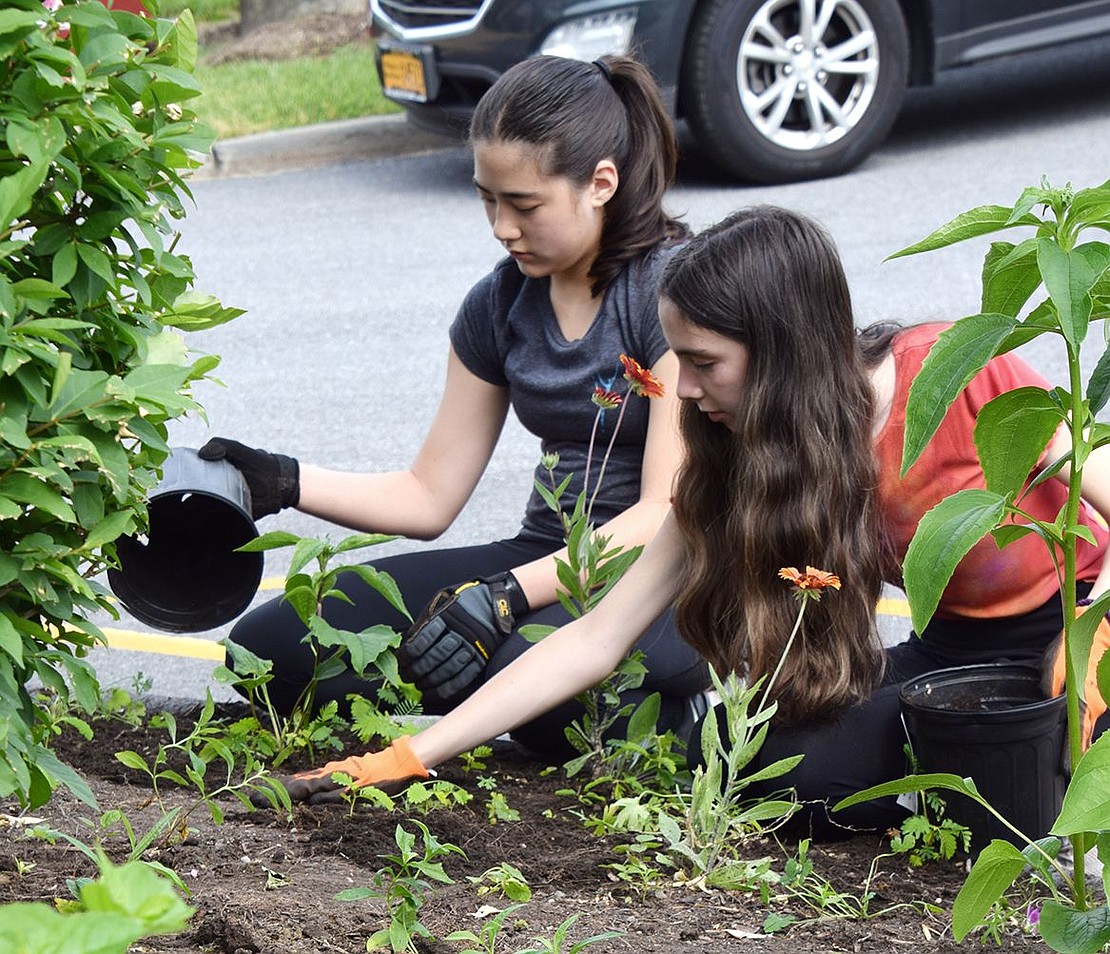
<point x="518" y="601"/>
<point x="288" y="480"/>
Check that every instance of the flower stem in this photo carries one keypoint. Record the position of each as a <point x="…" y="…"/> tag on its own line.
<point x="785" y="652"/>
<point x="604" y="460"/>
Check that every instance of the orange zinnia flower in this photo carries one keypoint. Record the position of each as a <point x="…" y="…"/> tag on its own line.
<point x="812" y="579"/>
<point x="641" y="381"/>
<point x="605" y="399"/>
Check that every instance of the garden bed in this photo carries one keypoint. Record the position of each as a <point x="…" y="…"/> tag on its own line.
<point x="262" y="885"/>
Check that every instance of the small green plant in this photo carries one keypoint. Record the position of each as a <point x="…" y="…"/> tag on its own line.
<point x="104" y="828"/>
<point x="800" y="881"/>
<point x="484" y="941"/>
<point x="403" y="884"/>
<point x="475" y="759"/>
<point x="558" y="943"/>
<point x="719" y="815"/>
<point x="929" y="836"/>
<point x="369" y="650"/>
<point x="202" y="749"/>
<point x="123" y="906"/>
<point x="504" y="879"/>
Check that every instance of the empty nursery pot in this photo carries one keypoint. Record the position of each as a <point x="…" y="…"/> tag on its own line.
<point x="991" y="723"/>
<point x="185" y="576"/>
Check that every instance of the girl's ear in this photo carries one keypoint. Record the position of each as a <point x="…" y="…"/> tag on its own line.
<point x="604" y="183"/>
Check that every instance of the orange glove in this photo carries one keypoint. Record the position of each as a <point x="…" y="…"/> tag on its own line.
<point x="391" y="770"/>
<point x="1091" y="703"/>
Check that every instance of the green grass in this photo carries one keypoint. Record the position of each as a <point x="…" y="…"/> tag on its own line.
<point x="202" y="9"/>
<point x="253" y="96"/>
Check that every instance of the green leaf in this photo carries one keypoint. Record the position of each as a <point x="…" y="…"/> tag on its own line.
<point x="96" y="261"/>
<point x="959" y="353"/>
<point x="975" y="222"/>
<point x="17" y="189"/>
<point x="132" y="760"/>
<point x="1069" y="931"/>
<point x="382" y="583"/>
<point x="1010" y="276"/>
<point x="1011" y="432"/>
<point x="64" y="265"/>
<point x="30" y="490"/>
<point x="996" y="868"/>
<point x="1069" y="277"/>
<point x="1086" y="807"/>
<point x="912" y="783"/>
<point x="269" y="541"/>
<point x="1098" y="388"/>
<point x="110" y="528"/>
<point x="943" y="537"/>
<point x="1088" y="207"/>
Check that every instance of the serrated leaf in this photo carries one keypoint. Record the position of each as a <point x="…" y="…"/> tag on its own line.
<point x="1011" y="432"/>
<point x="959" y="353"/>
<point x="943" y="537"/>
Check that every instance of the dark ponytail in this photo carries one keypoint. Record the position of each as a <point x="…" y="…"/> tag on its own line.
<point x="578" y="114"/>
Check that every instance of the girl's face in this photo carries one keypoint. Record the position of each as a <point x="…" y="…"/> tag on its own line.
<point x="711" y="367"/>
<point x="549" y="225"/>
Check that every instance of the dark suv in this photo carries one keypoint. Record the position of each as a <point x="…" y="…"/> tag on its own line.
<point x="773" y="90"/>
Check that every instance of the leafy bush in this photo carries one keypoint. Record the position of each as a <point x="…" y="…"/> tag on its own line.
<point x="98" y="132"/>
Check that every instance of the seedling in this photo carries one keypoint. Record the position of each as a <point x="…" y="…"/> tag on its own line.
<point x="403" y="883"/>
<point x="559" y="944"/>
<point x="486" y="939"/>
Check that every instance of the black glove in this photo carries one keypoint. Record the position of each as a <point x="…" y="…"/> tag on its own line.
<point x="451" y="642"/>
<point x="274" y="480"/>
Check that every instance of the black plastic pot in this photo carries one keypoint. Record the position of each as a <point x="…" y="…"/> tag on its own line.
<point x="185" y="576"/>
<point x="993" y="724"/>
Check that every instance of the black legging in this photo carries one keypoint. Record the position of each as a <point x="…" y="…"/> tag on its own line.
<point x="275" y="632"/>
<point x="865" y="746"/>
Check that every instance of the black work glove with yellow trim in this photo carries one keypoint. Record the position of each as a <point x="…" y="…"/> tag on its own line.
<point x="446" y="650"/>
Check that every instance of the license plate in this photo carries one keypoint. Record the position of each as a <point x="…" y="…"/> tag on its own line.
<point x="405" y="73"/>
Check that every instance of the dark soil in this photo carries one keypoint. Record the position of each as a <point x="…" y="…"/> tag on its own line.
<point x="261" y="885"/>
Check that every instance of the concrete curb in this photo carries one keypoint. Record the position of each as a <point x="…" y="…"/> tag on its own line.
<point x="374" y="137"/>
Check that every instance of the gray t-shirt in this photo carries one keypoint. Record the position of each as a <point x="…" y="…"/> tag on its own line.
<point x="507" y="334"/>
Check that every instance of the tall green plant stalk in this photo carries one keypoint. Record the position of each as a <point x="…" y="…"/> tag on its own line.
<point x="1011" y="434"/>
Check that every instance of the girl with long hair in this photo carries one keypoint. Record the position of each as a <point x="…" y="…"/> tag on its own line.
<point x="793" y="425"/>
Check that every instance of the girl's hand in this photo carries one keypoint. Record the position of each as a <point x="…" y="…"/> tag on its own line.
<point x="448" y="647"/>
<point x="391" y="770"/>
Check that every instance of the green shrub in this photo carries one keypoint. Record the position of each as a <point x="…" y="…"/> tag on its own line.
<point x="98" y="132"/>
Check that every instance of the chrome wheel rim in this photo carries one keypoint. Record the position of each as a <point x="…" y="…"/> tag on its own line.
<point x="807" y="71"/>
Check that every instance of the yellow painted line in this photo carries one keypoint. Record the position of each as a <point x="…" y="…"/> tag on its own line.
<point x="192" y="647"/>
<point x="893" y="606"/>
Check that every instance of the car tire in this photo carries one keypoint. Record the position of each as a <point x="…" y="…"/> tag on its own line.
<point x="768" y="103"/>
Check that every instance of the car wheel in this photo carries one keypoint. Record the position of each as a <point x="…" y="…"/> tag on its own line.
<point x="779" y="90"/>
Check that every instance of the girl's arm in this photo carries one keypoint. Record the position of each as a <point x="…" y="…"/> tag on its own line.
<point x="420" y="502"/>
<point x="570" y="660"/>
<point x="639" y="523"/>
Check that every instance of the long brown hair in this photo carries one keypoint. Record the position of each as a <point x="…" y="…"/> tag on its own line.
<point x="794" y="484"/>
<point x="576" y="114"/>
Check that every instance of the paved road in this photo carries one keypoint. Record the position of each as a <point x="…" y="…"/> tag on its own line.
<point x="351" y="274"/>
